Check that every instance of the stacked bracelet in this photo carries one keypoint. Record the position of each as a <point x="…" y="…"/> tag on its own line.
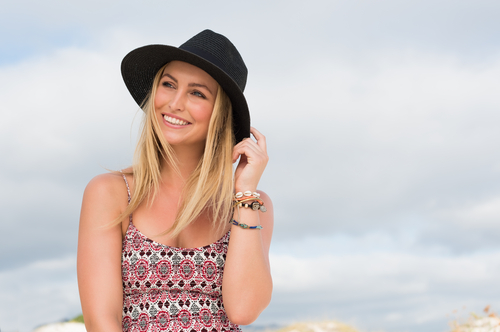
<point x="248" y="196"/>
<point x="242" y="225"/>
<point x="247" y="199"/>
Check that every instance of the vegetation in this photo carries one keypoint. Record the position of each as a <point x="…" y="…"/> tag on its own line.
<point x="477" y="323"/>
<point x="77" y="319"/>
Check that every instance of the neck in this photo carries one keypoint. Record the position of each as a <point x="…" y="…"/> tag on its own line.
<point x="187" y="161"/>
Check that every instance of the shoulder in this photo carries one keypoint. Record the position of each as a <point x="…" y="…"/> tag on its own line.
<point x="105" y="185"/>
<point x="106" y="193"/>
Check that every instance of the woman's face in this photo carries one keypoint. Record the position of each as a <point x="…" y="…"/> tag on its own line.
<point x="184" y="103"/>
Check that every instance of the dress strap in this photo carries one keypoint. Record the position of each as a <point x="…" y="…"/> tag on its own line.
<point x="128" y="193"/>
<point x="128" y="188"/>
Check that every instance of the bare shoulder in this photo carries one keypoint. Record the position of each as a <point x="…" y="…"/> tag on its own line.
<point x="105" y="195"/>
<point x="105" y="185"/>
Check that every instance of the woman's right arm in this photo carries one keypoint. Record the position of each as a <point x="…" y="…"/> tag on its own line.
<point x="99" y="254"/>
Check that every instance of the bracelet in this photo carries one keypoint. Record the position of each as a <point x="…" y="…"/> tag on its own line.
<point x="249" y="199"/>
<point x="249" y="196"/>
<point x="245" y="226"/>
<point x="255" y="205"/>
<point x="240" y="198"/>
<point x="247" y="193"/>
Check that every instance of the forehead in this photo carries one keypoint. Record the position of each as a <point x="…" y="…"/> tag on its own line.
<point x="187" y="72"/>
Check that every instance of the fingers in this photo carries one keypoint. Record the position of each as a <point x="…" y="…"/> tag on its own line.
<point x="253" y="160"/>
<point x="250" y="149"/>
<point x="261" y="139"/>
<point x="246" y="147"/>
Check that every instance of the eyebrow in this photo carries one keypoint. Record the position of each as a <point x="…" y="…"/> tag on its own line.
<point x="190" y="84"/>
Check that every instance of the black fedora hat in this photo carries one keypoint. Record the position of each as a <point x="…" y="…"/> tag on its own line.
<point x="210" y="51"/>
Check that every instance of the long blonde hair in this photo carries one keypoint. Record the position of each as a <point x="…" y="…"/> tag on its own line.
<point x="210" y="186"/>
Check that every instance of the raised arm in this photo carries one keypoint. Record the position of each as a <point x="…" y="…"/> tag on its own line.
<point x="247" y="283"/>
<point x="99" y="254"/>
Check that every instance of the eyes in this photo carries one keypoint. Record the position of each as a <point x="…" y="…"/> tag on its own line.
<point x="194" y="92"/>
<point x="198" y="94"/>
<point x="167" y="84"/>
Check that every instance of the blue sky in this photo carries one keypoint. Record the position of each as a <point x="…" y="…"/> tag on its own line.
<point x="382" y="120"/>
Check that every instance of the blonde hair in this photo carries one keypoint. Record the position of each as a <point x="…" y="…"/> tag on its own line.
<point x="210" y="186"/>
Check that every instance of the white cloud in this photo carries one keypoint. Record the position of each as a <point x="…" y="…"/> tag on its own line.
<point x="66" y="116"/>
<point x="393" y="291"/>
<point x="39" y="293"/>
<point x="477" y="214"/>
<point x="373" y="275"/>
<point x="383" y="143"/>
<point x="58" y="107"/>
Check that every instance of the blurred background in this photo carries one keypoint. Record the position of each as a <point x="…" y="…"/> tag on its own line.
<point x="382" y="120"/>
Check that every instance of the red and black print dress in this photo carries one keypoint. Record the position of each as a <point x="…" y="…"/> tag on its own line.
<point x="172" y="289"/>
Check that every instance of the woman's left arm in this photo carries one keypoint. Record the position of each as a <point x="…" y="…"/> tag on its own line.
<point x="247" y="283"/>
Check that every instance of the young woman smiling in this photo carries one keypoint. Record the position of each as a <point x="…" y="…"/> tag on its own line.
<point x="178" y="241"/>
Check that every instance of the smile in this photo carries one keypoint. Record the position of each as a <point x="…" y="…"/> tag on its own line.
<point x="175" y="121"/>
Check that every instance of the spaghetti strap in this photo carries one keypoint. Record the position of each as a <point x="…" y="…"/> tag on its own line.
<point x="128" y="188"/>
<point x="128" y="193"/>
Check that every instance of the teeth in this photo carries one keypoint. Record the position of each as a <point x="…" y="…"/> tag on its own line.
<point x="175" y="121"/>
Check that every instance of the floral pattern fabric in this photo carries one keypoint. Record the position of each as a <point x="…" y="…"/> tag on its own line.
<point x="173" y="289"/>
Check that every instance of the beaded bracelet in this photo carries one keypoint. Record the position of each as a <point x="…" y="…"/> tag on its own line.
<point x="245" y="226"/>
<point x="255" y="205"/>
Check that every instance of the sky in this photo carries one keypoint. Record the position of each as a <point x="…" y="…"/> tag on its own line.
<point x="381" y="120"/>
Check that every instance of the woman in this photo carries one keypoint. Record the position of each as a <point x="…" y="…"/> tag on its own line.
<point x="188" y="250"/>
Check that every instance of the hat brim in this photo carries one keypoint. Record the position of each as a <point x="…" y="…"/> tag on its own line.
<point x="140" y="66"/>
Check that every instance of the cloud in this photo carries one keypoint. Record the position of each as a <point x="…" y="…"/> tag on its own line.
<point x="65" y="118"/>
<point x="293" y="31"/>
<point x="386" y="145"/>
<point x="38" y="293"/>
<point x="480" y="214"/>
<point x="370" y="276"/>
<point x="391" y="290"/>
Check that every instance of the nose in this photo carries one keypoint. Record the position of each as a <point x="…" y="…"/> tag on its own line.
<point x="178" y="100"/>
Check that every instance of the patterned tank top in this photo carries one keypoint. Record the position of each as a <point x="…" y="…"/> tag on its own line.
<point x="172" y="289"/>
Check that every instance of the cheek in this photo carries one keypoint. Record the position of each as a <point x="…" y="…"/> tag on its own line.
<point x="159" y="100"/>
<point x="162" y="98"/>
<point x="208" y="115"/>
<point x="203" y="113"/>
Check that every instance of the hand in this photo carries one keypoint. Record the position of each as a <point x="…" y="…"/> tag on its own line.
<point x="253" y="161"/>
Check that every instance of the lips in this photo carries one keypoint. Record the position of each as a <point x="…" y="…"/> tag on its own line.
<point x="175" y="121"/>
